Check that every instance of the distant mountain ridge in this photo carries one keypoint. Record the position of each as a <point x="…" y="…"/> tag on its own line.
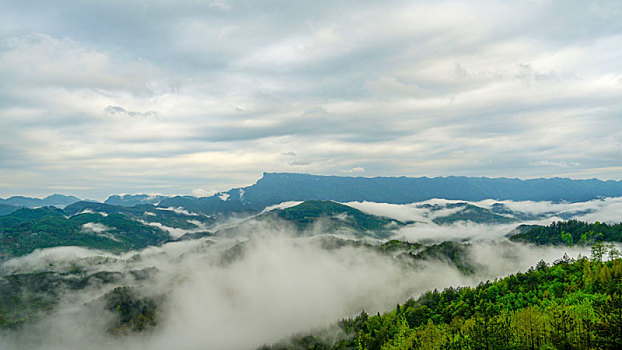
<point x="274" y="188"/>
<point x="55" y="200"/>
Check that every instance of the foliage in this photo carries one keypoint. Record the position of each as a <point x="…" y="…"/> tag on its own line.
<point x="454" y="252"/>
<point x="335" y="215"/>
<point x="312" y="217"/>
<point x="133" y="312"/>
<point x="144" y="212"/>
<point x="25" y="230"/>
<point x="571" y="232"/>
<point x="395" y="245"/>
<point x="27" y="296"/>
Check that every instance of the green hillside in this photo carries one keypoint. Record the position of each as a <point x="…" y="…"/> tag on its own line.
<point x="144" y="212"/>
<point x="568" y="305"/>
<point x="7" y="209"/>
<point x="570" y="232"/>
<point x="305" y="213"/>
<point x="330" y="216"/>
<point x="25" y="230"/>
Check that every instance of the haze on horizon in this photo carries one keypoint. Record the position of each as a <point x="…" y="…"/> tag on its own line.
<point x="181" y="97"/>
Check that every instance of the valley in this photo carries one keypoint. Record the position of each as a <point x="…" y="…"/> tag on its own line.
<point x="153" y="273"/>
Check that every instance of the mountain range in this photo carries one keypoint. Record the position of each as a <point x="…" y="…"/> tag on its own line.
<point x="274" y="188"/>
<point x="55" y="200"/>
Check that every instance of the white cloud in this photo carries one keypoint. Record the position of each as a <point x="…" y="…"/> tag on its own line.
<point x="283" y="205"/>
<point x="95" y="227"/>
<point x="202" y="192"/>
<point x="40" y="59"/>
<point x="179" y="210"/>
<point x="401" y="212"/>
<point x="357" y="169"/>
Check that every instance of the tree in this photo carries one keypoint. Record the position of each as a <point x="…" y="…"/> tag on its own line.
<point x="610" y="327"/>
<point x="614" y="253"/>
<point x="567" y="238"/>
<point x="598" y="251"/>
<point x="403" y="337"/>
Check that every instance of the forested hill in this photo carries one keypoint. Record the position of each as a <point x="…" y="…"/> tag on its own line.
<point x="93" y="225"/>
<point x="320" y="217"/>
<point x="569" y="232"/>
<point x="569" y="305"/>
<point x="275" y="188"/>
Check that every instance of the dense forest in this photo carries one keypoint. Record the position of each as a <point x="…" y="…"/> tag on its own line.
<point x="93" y="225"/>
<point x="571" y="232"/>
<point x="25" y="230"/>
<point x="332" y="217"/>
<point x="571" y="304"/>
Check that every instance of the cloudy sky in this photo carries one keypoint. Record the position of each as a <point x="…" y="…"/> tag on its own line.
<point x="185" y="96"/>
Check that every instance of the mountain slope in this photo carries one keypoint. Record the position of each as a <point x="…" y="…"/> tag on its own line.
<point x="7" y="209"/>
<point x="306" y="213"/>
<point x="145" y="212"/>
<point x="569" y="305"/>
<point x="25" y="230"/>
<point x="313" y="217"/>
<point x="569" y="232"/>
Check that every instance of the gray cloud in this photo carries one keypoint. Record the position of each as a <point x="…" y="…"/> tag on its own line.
<point x="116" y="110"/>
<point x="398" y="88"/>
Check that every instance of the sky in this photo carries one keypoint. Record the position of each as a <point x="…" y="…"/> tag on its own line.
<point x="193" y="97"/>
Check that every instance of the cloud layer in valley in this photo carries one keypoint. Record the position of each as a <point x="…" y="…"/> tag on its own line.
<point x="179" y="96"/>
<point x="277" y="286"/>
<point x="267" y="285"/>
<point x="604" y="210"/>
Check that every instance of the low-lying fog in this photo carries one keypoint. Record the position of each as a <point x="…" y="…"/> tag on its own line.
<point x="424" y="229"/>
<point x="272" y="285"/>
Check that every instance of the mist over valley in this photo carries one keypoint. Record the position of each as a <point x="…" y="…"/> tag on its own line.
<point x="147" y="276"/>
